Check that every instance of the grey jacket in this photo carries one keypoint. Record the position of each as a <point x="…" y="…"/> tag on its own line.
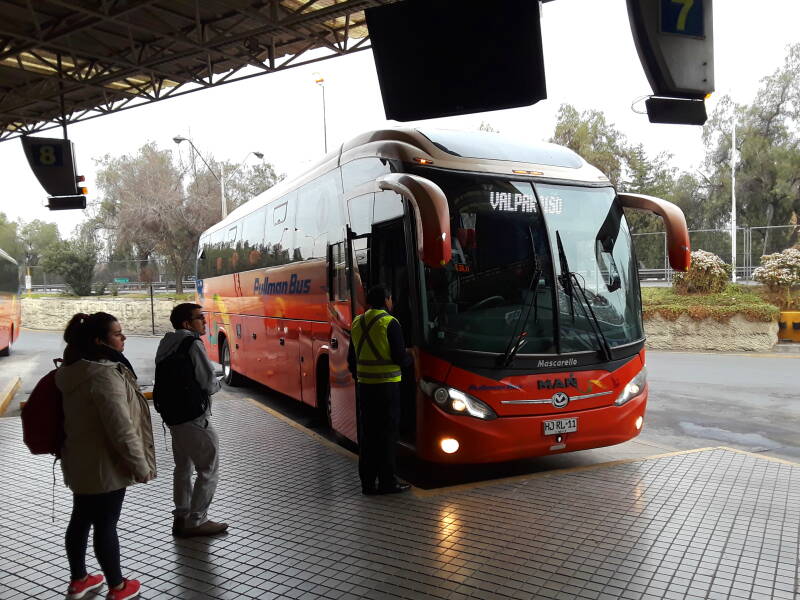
<point x="203" y="369"/>
<point x="109" y="437"/>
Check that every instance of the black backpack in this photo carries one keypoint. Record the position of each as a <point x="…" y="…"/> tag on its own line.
<point x="177" y="395"/>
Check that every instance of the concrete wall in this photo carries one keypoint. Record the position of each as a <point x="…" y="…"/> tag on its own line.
<point x="684" y="333"/>
<point x="687" y="334"/>
<point x="133" y="314"/>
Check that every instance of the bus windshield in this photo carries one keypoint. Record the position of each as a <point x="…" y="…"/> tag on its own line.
<point x="498" y="293"/>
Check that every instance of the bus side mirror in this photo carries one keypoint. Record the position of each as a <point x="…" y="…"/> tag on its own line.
<point x="432" y="215"/>
<point x="674" y="223"/>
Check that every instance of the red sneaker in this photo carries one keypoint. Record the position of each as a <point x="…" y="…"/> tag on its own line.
<point x="80" y="587"/>
<point x="130" y="589"/>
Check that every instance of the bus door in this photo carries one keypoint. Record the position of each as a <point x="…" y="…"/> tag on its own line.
<point x="345" y="300"/>
<point x="390" y="264"/>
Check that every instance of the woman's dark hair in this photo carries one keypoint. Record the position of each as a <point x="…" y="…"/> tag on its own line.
<point x="82" y="331"/>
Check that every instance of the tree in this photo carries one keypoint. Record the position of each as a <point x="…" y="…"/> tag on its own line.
<point x="596" y="140"/>
<point x="147" y="211"/>
<point x="9" y="237"/>
<point x="248" y="182"/>
<point x="768" y="149"/>
<point x="36" y="237"/>
<point x="75" y="261"/>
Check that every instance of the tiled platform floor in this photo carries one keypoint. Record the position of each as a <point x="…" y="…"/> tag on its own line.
<point x="708" y="524"/>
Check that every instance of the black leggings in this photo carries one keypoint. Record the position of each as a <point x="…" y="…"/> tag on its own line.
<point x="101" y="511"/>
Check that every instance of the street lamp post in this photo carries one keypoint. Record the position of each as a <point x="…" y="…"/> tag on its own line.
<point x="733" y="198"/>
<point x="320" y="81"/>
<point x="221" y="177"/>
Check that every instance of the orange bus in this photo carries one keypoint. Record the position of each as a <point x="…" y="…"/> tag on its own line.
<point x="513" y="276"/>
<point x="10" y="307"/>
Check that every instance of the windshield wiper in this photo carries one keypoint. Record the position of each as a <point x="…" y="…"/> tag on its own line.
<point x="570" y="283"/>
<point x="517" y="341"/>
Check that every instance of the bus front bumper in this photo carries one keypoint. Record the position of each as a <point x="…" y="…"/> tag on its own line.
<point x="511" y="438"/>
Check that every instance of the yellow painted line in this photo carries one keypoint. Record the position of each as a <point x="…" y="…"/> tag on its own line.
<point x="341" y="450"/>
<point x="8" y="394"/>
<point x="782" y="461"/>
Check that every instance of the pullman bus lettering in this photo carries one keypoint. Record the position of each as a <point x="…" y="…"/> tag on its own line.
<point x="295" y="285"/>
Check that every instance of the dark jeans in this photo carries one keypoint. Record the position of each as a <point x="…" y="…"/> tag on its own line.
<point x="101" y="511"/>
<point x="379" y="421"/>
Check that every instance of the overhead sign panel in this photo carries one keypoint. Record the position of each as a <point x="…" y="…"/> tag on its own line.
<point x="437" y="58"/>
<point x="53" y="162"/>
<point x="675" y="42"/>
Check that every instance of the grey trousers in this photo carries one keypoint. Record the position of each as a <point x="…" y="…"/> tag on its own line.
<point x="195" y="448"/>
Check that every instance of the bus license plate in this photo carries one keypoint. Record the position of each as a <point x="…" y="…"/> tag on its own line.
<point x="561" y="426"/>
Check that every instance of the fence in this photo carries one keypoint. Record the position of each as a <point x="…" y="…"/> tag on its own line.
<point x="120" y="275"/>
<point x="751" y="244"/>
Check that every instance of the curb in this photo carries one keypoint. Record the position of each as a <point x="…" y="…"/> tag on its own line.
<point x="8" y="394"/>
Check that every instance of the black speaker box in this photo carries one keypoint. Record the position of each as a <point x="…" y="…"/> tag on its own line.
<point x="438" y="58"/>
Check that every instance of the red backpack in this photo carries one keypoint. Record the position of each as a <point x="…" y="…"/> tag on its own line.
<point x="43" y="417"/>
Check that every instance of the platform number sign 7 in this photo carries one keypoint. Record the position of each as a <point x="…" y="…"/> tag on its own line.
<point x="682" y="17"/>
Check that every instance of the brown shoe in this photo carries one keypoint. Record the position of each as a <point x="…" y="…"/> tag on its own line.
<point x="204" y="529"/>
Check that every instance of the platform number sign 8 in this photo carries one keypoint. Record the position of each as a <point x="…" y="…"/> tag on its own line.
<point x="48" y="155"/>
<point x="682" y="17"/>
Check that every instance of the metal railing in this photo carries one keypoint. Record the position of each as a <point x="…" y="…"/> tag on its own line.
<point x="751" y="244"/>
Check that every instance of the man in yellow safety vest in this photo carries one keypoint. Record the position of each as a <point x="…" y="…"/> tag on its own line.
<point x="376" y="358"/>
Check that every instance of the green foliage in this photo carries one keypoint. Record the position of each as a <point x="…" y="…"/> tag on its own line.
<point x="590" y="135"/>
<point x="9" y="238"/>
<point x="731" y="300"/>
<point x="74" y="260"/>
<point x="708" y="274"/>
<point x="35" y="238"/>
<point x="768" y="163"/>
<point x="114" y="289"/>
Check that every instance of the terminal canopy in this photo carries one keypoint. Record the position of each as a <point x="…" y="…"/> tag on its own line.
<point x="64" y="61"/>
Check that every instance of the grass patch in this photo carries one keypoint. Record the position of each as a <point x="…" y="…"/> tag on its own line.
<point x="733" y="300"/>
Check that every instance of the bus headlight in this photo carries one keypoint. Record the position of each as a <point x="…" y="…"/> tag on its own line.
<point x="457" y="402"/>
<point x="634" y="388"/>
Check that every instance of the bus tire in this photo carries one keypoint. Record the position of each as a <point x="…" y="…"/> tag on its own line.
<point x="6" y="351"/>
<point x="324" y="394"/>
<point x="230" y="377"/>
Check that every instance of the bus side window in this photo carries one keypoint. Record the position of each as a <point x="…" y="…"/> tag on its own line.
<point x="360" y="209"/>
<point x="280" y="231"/>
<point x="252" y="241"/>
<point x="231" y="248"/>
<point x="362" y="170"/>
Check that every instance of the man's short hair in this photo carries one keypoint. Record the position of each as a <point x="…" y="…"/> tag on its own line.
<point x="377" y="295"/>
<point x="182" y="312"/>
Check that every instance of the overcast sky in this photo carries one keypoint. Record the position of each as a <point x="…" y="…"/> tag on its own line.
<point x="590" y="62"/>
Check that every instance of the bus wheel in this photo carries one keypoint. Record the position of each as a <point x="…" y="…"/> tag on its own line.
<point x="6" y="351"/>
<point x="231" y="377"/>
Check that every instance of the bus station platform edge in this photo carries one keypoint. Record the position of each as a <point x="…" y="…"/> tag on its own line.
<point x="710" y="523"/>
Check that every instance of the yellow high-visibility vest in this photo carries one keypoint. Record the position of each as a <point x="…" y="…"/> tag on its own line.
<point x="373" y="355"/>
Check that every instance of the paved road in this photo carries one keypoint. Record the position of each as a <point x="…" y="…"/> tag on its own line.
<point x="750" y="402"/>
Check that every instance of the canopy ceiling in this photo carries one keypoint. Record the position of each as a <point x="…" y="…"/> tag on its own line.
<point x="64" y="61"/>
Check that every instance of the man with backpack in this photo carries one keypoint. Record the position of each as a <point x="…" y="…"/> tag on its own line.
<point x="185" y="381"/>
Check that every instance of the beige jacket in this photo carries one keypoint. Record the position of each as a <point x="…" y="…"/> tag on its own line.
<point x="109" y="437"/>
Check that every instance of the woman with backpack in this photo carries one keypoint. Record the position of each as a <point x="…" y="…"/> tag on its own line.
<point x="108" y="446"/>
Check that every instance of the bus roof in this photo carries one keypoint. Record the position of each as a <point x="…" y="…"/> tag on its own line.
<point x="477" y="151"/>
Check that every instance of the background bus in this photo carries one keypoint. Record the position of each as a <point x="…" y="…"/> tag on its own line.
<point x="513" y="275"/>
<point x="10" y="306"/>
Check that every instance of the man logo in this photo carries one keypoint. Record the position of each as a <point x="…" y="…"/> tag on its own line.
<point x="560" y="399"/>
